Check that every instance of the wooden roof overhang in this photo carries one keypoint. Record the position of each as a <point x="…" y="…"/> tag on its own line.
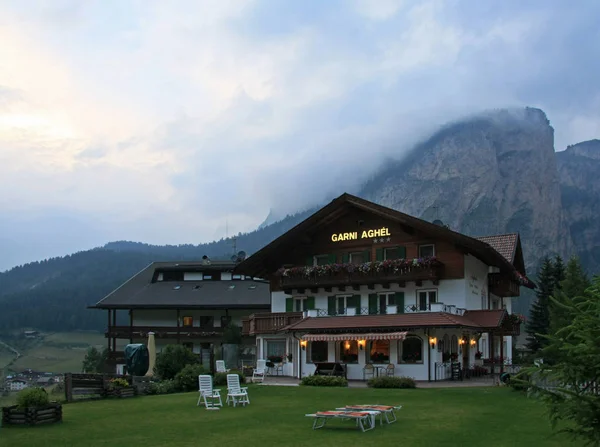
<point x="272" y="256"/>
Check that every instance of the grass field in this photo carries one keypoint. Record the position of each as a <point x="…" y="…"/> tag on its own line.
<point x="57" y="352"/>
<point x="430" y="417"/>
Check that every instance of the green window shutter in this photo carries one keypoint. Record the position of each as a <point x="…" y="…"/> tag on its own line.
<point x="289" y="304"/>
<point x="310" y="260"/>
<point x="331" y="305"/>
<point x="332" y="258"/>
<point x="399" y="297"/>
<point x="372" y="303"/>
<point x="354" y="301"/>
<point x="401" y="252"/>
<point x="367" y="255"/>
<point x="379" y="254"/>
<point x="346" y="258"/>
<point x="310" y="303"/>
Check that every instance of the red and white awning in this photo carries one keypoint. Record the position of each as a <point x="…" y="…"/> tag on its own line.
<point x="344" y="337"/>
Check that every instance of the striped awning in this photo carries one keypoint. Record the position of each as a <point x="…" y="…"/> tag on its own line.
<point x="344" y="337"/>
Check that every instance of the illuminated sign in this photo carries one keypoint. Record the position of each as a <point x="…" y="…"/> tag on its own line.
<point x="366" y="234"/>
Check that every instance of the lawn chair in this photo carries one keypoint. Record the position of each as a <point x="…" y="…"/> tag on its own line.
<point x="259" y="372"/>
<point x="385" y="411"/>
<point x="235" y="393"/>
<point x="365" y="420"/>
<point x="221" y="366"/>
<point x="211" y="397"/>
<point x="368" y="370"/>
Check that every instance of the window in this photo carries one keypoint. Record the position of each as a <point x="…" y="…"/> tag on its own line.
<point x="348" y="351"/>
<point x="411" y="349"/>
<point x="446" y="344"/>
<point x="212" y="276"/>
<point x="318" y="351"/>
<point x="225" y="321"/>
<point x="207" y="276"/>
<point x="454" y="345"/>
<point x="425" y="298"/>
<point x="384" y="300"/>
<point x="300" y="304"/>
<point x="206" y="321"/>
<point x="275" y="348"/>
<point x="392" y="253"/>
<point x="236" y="277"/>
<point x="321" y="260"/>
<point x="188" y="321"/>
<point x="341" y="302"/>
<point x="426" y="251"/>
<point x="379" y="351"/>
<point x="357" y="258"/>
<point x="172" y="276"/>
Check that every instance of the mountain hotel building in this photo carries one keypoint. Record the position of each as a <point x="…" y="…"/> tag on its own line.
<point x="360" y="284"/>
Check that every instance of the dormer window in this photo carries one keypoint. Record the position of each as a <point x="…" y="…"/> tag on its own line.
<point x="426" y="251"/>
<point x="357" y="258"/>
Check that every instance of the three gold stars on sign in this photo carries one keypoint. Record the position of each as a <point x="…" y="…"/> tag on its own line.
<point x="381" y="240"/>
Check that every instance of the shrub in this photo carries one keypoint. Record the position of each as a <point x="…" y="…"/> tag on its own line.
<point x="187" y="378"/>
<point x="173" y="359"/>
<point x="520" y="382"/>
<point x="118" y="383"/>
<point x="220" y="379"/>
<point x="32" y="397"/>
<point x="324" y="381"/>
<point x="392" y="382"/>
<point x="164" y="387"/>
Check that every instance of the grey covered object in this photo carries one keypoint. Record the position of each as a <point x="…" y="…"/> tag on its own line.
<point x="137" y="359"/>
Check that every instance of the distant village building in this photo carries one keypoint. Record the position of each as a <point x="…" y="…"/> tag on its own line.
<point x="16" y="384"/>
<point x="31" y="334"/>
<point x="188" y="303"/>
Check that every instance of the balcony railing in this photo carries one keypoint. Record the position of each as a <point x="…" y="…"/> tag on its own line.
<point x="161" y="331"/>
<point x="501" y="285"/>
<point x="384" y="275"/>
<point x="387" y="310"/>
<point x="269" y="322"/>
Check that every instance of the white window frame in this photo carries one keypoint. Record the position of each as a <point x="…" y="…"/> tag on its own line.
<point x="426" y="245"/>
<point x="344" y="299"/>
<point x="387" y="296"/>
<point x="428" y="302"/>
<point x="302" y="301"/>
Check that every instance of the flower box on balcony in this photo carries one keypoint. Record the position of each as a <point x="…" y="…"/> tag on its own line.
<point x="351" y="311"/>
<point x="391" y="309"/>
<point x="312" y="313"/>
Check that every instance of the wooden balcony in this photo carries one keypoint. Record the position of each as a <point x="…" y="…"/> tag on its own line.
<point x="128" y="332"/>
<point x="502" y="285"/>
<point x="268" y="323"/>
<point x="383" y="276"/>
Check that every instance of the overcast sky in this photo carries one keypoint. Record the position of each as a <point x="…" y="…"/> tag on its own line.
<point x="158" y="121"/>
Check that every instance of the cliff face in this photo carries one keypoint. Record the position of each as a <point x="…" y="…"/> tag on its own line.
<point x="579" y="172"/>
<point x="491" y="174"/>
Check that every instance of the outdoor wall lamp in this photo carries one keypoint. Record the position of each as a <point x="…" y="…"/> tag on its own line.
<point x="303" y="344"/>
<point x="432" y="342"/>
<point x="473" y="342"/>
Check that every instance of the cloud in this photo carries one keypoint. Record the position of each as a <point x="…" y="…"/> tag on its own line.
<point x="160" y="121"/>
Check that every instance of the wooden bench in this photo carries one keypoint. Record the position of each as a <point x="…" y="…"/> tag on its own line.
<point x="331" y="369"/>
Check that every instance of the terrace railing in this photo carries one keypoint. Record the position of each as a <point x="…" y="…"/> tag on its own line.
<point x="269" y="322"/>
<point x="161" y="331"/>
<point x="386" y="310"/>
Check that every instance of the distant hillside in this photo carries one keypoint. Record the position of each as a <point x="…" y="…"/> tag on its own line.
<point x="493" y="173"/>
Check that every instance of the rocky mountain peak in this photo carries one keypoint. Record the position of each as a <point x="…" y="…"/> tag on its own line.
<point x="589" y="149"/>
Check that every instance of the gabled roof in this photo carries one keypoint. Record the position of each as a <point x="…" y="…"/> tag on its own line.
<point x="368" y="323"/>
<point x="270" y="257"/>
<point x="142" y="291"/>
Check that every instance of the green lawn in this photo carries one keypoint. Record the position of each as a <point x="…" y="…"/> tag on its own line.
<point x="429" y="417"/>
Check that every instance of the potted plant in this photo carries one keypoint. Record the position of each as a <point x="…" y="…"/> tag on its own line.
<point x="275" y="358"/>
<point x="33" y="408"/>
<point x="119" y="387"/>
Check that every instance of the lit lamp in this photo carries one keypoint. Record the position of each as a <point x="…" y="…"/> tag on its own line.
<point x="361" y="344"/>
<point x="303" y="344"/>
<point x="461" y="342"/>
<point x="473" y="342"/>
<point x="432" y="342"/>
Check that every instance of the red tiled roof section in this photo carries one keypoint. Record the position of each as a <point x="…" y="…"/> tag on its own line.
<point x="505" y="244"/>
<point x="486" y="318"/>
<point x="368" y="322"/>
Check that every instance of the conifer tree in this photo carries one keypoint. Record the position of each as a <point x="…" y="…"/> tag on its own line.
<point x="572" y="289"/>
<point x="539" y="317"/>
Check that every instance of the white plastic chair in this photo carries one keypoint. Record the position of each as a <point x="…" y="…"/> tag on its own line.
<point x="207" y="392"/>
<point x="259" y="371"/>
<point x="221" y="366"/>
<point x="235" y="393"/>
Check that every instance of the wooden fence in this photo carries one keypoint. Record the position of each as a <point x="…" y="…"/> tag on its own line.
<point x="96" y="386"/>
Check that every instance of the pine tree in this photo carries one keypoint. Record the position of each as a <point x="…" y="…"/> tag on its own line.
<point x="574" y="405"/>
<point x="539" y="317"/>
<point x="559" y="272"/>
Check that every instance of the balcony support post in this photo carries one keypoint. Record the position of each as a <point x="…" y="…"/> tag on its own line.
<point x="114" y="323"/>
<point x="178" y="328"/>
<point x="109" y="331"/>
<point x="130" y="325"/>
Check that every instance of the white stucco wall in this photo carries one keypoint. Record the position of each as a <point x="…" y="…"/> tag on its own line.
<point x="476" y="283"/>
